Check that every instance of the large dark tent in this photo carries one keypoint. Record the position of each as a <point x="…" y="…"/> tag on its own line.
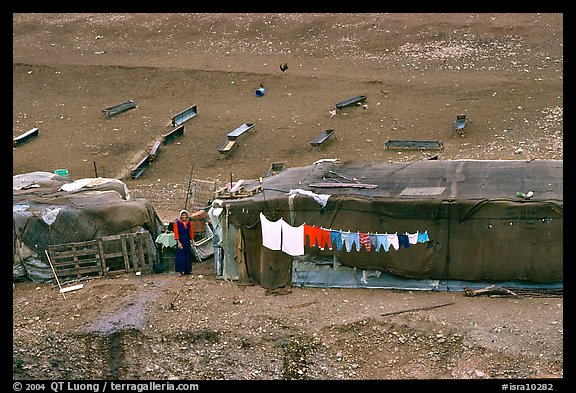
<point x="484" y="221"/>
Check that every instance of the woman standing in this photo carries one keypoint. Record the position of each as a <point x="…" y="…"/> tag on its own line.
<point x="183" y="234"/>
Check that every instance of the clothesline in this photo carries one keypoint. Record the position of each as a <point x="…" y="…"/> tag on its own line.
<point x="279" y="235"/>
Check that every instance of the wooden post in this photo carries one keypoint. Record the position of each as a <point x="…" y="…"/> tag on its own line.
<point x="95" y="170"/>
<point x="125" y="253"/>
<point x="188" y="189"/>
<point x="102" y="256"/>
<point x="55" y="275"/>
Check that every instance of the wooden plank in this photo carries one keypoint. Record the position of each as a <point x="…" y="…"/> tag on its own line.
<point x="227" y="146"/>
<point x="112" y="237"/>
<point x="72" y="288"/>
<point x="80" y="261"/>
<point x="343" y="185"/>
<point x="87" y="243"/>
<point x="141" y="251"/>
<point x="70" y="260"/>
<point x="220" y="191"/>
<point x="76" y="260"/>
<point x="417" y="309"/>
<point x="255" y="190"/>
<point x="133" y="252"/>
<point x="125" y="253"/>
<point x="86" y="262"/>
<point x="149" y="252"/>
<point x="111" y="255"/>
<point x="68" y="246"/>
<point x="73" y="253"/>
<point x="102" y="256"/>
<point x="78" y="272"/>
<point x="74" y="265"/>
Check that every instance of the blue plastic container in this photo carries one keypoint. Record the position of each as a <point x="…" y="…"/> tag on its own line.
<point x="260" y="92"/>
<point x="61" y="172"/>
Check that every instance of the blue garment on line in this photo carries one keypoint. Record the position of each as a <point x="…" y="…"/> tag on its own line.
<point x="403" y="240"/>
<point x="351" y="238"/>
<point x="382" y="241"/>
<point x="423" y="237"/>
<point x="373" y="240"/>
<point x="336" y="239"/>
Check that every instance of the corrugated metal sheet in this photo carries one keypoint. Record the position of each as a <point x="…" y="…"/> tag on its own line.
<point x="309" y="274"/>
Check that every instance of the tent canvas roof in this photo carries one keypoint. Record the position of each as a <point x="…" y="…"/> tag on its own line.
<point x="428" y="179"/>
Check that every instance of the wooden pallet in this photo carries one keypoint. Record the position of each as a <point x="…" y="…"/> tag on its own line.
<point x="77" y="259"/>
<point x="122" y="253"/>
<point x="223" y="193"/>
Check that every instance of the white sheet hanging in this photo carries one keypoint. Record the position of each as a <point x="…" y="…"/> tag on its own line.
<point x="271" y="233"/>
<point x="292" y="239"/>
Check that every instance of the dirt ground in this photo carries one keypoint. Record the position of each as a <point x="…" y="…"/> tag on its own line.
<point x="418" y="71"/>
